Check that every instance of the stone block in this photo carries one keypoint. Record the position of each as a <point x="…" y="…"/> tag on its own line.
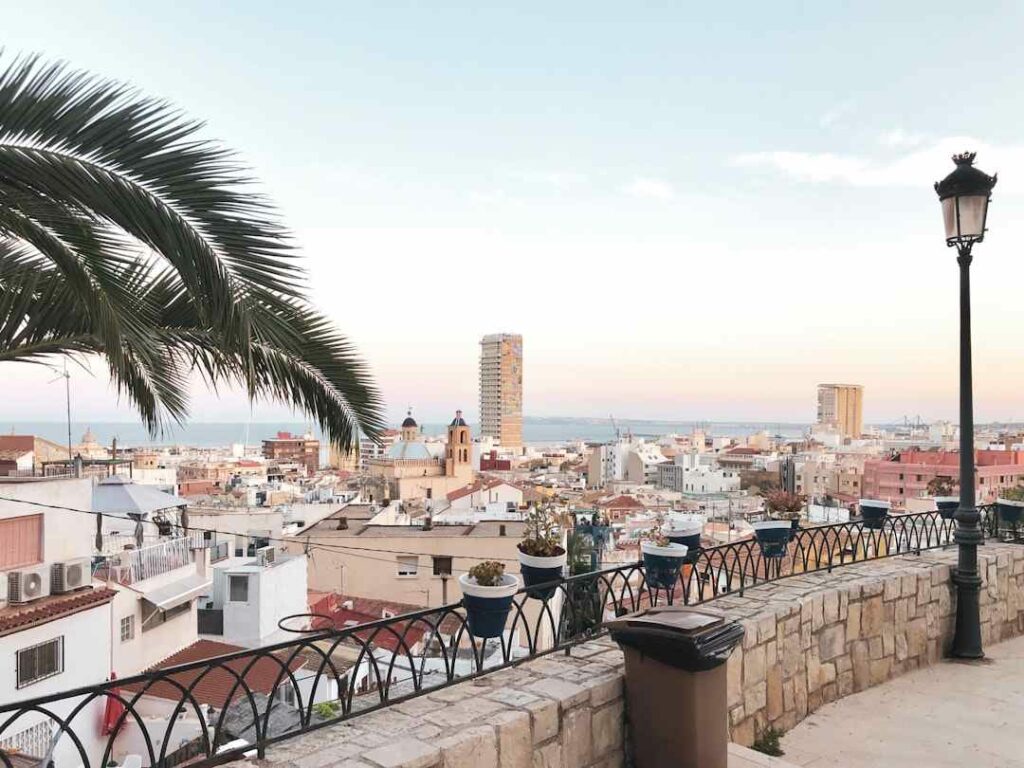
<point x="845" y="683"/>
<point x="908" y="585"/>
<point x="743" y="734"/>
<point x="734" y="679"/>
<point x="515" y="745"/>
<point x="830" y="607"/>
<point x="901" y="646"/>
<point x="605" y="690"/>
<point x="775" y="697"/>
<point x="755" y="697"/>
<point x="832" y="642"/>
<point x="766" y="628"/>
<point x="861" y="658"/>
<point x="891" y="589"/>
<point x="917" y="638"/>
<point x="548" y="756"/>
<point x="754" y="666"/>
<point x="737" y="715"/>
<point x="565" y="693"/>
<point x="843" y="663"/>
<point x="881" y="670"/>
<point x="771" y="653"/>
<point x="405" y="753"/>
<point x="544" y="717"/>
<point x="872" y="617"/>
<point x="853" y="621"/>
<point x="512" y="697"/>
<point x="924" y="589"/>
<point x="470" y="748"/>
<point x="608" y="725"/>
<point x="576" y="738"/>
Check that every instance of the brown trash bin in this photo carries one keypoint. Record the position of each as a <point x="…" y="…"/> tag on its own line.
<point x="676" y="685"/>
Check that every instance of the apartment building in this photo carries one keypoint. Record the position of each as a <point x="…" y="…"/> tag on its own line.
<point x="841" y="406"/>
<point x="287" y="448"/>
<point x="501" y="389"/>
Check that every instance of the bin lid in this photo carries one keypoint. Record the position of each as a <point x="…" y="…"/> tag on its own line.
<point x="681" y="619"/>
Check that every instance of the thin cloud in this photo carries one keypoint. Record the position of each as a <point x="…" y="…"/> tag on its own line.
<point x="556" y="179"/>
<point x="900" y="139"/>
<point x="651" y="189"/>
<point x="836" y="113"/>
<point x="911" y="169"/>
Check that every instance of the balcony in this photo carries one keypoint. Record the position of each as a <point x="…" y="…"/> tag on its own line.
<point x="844" y="609"/>
<point x="131" y="566"/>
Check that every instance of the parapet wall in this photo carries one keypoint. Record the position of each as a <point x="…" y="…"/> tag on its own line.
<point x="810" y="639"/>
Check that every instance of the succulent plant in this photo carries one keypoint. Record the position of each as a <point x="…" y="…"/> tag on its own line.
<point x="488" y="573"/>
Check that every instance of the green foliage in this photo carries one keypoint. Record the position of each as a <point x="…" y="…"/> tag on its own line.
<point x="783" y="505"/>
<point x="656" y="535"/>
<point x="488" y="573"/>
<point x="328" y="710"/>
<point x="942" y="486"/>
<point x="1013" y="494"/>
<point x="125" y="234"/>
<point x="767" y="742"/>
<point x="541" y="537"/>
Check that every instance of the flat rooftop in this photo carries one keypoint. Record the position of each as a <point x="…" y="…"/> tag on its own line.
<point x="951" y="714"/>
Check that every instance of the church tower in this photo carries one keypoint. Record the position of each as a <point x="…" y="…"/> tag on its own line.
<point x="458" y="455"/>
<point x="410" y="429"/>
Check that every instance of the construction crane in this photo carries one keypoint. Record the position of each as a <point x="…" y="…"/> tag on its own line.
<point x="614" y="426"/>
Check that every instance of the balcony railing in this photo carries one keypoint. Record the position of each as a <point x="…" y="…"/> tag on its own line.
<point x="332" y="673"/>
<point x="134" y="565"/>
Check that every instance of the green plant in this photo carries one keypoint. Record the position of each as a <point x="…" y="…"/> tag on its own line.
<point x="767" y="742"/>
<point x="487" y="573"/>
<point x="541" y="538"/>
<point x="782" y="505"/>
<point x="656" y="535"/>
<point x="1013" y="494"/>
<point x="328" y="709"/>
<point x="125" y="234"/>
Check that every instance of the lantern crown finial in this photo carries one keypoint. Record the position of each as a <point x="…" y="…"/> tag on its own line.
<point x="965" y="158"/>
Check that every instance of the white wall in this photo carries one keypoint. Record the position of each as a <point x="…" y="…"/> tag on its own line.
<point x="66" y="535"/>
<point x="86" y="661"/>
<point x="274" y="592"/>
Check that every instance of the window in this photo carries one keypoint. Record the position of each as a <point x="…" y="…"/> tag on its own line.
<point x="127" y="628"/>
<point x="22" y="541"/>
<point x="430" y="493"/>
<point x="408" y="565"/>
<point x="238" y="589"/>
<point x="442" y="566"/>
<point x="39" y="662"/>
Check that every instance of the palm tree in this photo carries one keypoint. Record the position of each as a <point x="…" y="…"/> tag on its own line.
<point x="123" y="234"/>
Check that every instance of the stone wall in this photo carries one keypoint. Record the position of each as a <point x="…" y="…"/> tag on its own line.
<point x="809" y="640"/>
<point x="813" y="639"/>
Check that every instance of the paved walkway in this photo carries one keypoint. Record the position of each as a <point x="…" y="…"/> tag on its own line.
<point x="952" y="714"/>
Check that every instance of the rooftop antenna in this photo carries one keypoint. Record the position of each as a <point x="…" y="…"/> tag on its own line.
<point x="67" y="395"/>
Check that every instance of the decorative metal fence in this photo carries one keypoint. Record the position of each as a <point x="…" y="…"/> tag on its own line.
<point x="220" y="708"/>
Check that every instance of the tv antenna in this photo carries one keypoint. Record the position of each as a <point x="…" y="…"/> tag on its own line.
<point x="67" y="395"/>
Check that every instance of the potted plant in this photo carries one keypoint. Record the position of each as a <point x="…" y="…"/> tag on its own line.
<point x="874" y="513"/>
<point x="541" y="554"/>
<point x="581" y="613"/>
<point x="1010" y="505"/>
<point x="782" y="505"/>
<point x="662" y="559"/>
<point x="943" y="489"/>
<point x="487" y="595"/>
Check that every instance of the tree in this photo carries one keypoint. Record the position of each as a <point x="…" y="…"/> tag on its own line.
<point x="125" y="234"/>
<point x="942" y="486"/>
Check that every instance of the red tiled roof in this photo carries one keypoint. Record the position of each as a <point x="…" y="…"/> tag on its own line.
<point x="479" y="485"/>
<point x="621" y="502"/>
<point x="15" y="618"/>
<point x="216" y="684"/>
<point x="365" y="610"/>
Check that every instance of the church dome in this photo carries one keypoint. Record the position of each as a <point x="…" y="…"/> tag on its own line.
<point x="406" y="450"/>
<point x="458" y="421"/>
<point x="409" y="422"/>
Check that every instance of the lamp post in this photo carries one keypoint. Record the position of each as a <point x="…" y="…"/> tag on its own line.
<point x="965" y="194"/>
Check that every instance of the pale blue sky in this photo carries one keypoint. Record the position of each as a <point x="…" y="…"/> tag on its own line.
<point x="689" y="212"/>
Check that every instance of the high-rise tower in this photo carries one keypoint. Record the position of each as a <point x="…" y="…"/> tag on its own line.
<point x="501" y="388"/>
<point x="842" y="406"/>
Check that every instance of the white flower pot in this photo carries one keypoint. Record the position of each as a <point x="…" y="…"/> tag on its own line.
<point x="534" y="561"/>
<point x="508" y="587"/>
<point x="672" y="550"/>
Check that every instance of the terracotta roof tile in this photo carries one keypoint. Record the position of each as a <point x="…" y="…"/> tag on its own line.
<point x="15" y="618"/>
<point x="216" y="684"/>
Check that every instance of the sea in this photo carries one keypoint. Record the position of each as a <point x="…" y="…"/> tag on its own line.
<point x="537" y="431"/>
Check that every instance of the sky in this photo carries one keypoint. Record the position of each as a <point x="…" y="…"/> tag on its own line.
<point x="689" y="211"/>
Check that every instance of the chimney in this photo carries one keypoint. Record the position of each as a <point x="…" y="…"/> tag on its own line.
<point x="342" y="524"/>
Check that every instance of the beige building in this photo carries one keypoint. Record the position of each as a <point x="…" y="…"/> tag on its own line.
<point x="414" y="469"/>
<point x="842" y="406"/>
<point x="501" y="389"/>
<point x="401" y="563"/>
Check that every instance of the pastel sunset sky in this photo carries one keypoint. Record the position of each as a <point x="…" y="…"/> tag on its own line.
<point x="689" y="211"/>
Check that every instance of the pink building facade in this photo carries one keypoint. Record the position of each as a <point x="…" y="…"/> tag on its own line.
<point x="907" y="476"/>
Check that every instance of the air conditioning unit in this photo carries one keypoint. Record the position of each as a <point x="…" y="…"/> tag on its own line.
<point x="266" y="555"/>
<point x="29" y="584"/>
<point x="70" y="575"/>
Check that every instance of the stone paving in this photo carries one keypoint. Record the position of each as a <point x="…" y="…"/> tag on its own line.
<point x="952" y="714"/>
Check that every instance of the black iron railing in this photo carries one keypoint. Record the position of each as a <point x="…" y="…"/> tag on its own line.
<point x="216" y="709"/>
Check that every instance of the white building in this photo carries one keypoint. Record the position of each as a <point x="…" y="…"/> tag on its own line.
<point x="689" y="474"/>
<point x="250" y="595"/>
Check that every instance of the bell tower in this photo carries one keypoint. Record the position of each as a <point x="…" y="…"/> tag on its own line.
<point x="410" y="429"/>
<point x="458" y="455"/>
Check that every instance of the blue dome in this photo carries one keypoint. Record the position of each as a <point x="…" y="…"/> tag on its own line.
<point x="409" y="450"/>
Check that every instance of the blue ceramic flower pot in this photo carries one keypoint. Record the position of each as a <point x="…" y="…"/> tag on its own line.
<point x="487" y="608"/>
<point x="662" y="564"/>
<point x="541" y="570"/>
<point x="874" y="513"/>
<point x="773" y="537"/>
<point x="947" y="506"/>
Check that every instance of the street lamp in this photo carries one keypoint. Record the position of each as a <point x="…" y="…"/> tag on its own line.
<point x="965" y="195"/>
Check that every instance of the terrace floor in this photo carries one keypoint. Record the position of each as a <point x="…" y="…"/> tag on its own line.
<point x="951" y="714"/>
